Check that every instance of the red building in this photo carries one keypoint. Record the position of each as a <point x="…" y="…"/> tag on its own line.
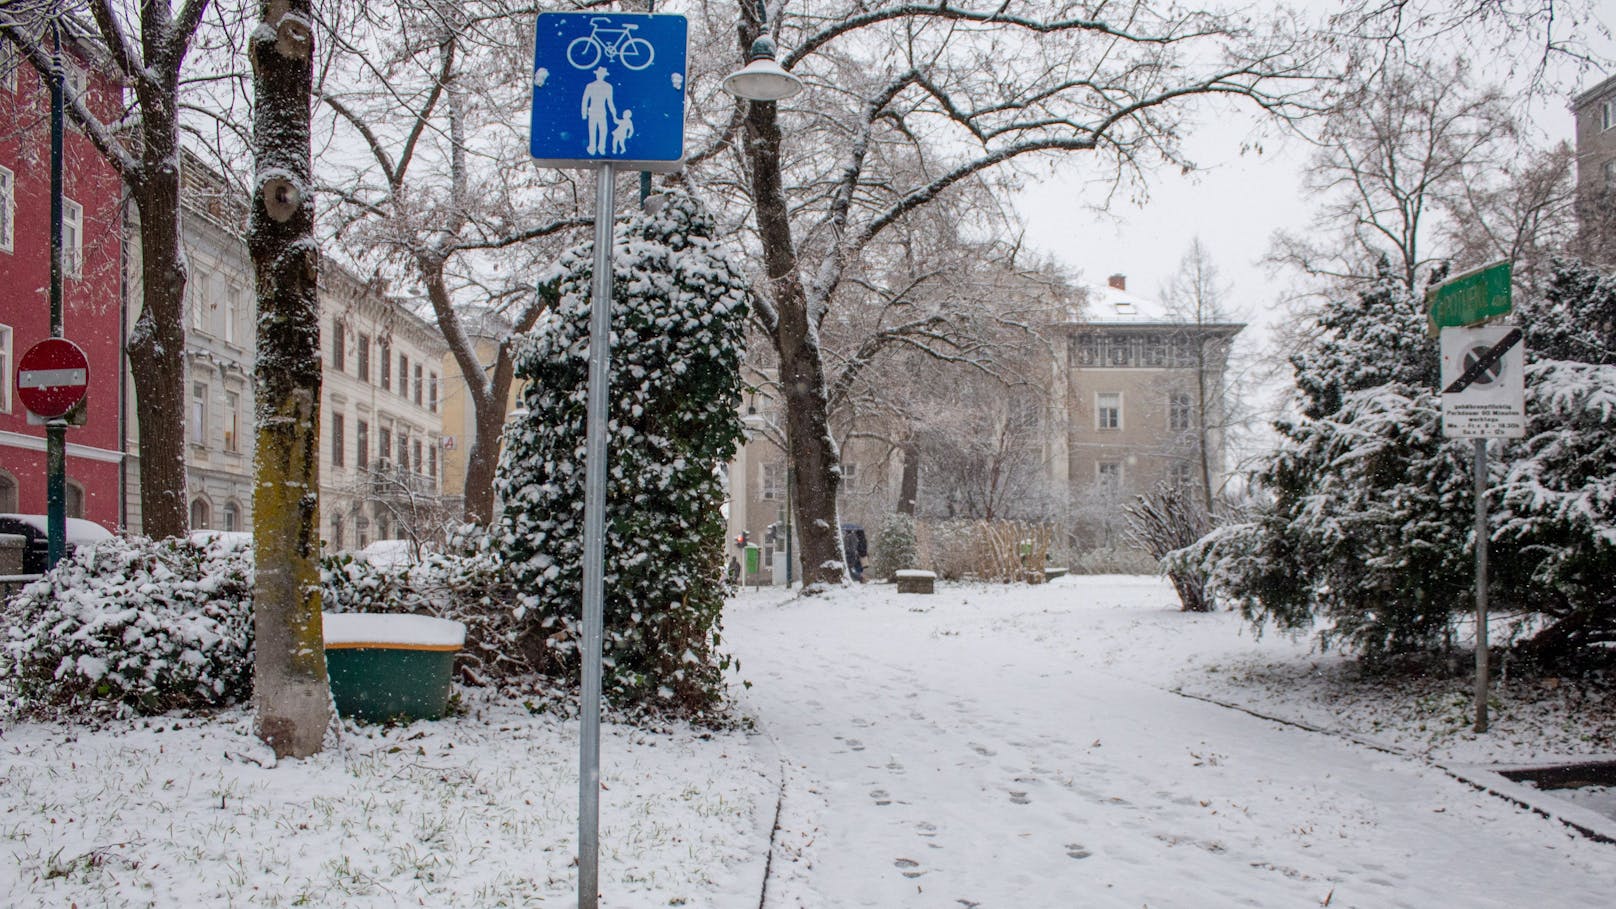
<point x="91" y="286"/>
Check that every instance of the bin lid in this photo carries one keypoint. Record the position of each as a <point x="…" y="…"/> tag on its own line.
<point x="391" y="631"/>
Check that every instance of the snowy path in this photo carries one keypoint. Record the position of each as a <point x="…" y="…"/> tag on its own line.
<point x="974" y="749"/>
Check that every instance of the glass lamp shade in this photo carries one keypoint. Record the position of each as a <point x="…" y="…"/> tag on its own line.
<point x="762" y="79"/>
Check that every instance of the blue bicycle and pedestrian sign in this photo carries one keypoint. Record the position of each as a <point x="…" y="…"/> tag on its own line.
<point x="609" y="87"/>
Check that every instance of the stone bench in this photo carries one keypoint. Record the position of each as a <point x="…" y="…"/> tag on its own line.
<point x="912" y="580"/>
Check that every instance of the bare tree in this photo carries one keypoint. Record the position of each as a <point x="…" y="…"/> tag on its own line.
<point x="148" y="48"/>
<point x="1196" y="301"/>
<point x="932" y="80"/>
<point x="289" y="677"/>
<point x="444" y="190"/>
<point x="1530" y="34"/>
<point x="1394" y="159"/>
<point x="1524" y="211"/>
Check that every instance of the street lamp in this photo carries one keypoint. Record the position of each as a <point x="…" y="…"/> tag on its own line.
<point x="762" y="78"/>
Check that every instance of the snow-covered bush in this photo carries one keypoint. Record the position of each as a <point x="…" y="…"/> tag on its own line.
<point x="1371" y="523"/>
<point x="679" y="305"/>
<point x="468" y="585"/>
<point x="1166" y="519"/>
<point x="895" y="547"/>
<point x="134" y="625"/>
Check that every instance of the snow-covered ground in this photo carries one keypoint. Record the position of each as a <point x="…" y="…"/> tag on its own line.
<point x="985" y="746"/>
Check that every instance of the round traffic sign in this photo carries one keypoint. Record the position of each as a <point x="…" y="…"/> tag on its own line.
<point x="52" y="377"/>
<point x="1490" y="373"/>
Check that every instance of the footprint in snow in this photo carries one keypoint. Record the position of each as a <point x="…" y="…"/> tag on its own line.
<point x="855" y="744"/>
<point x="1074" y="850"/>
<point x="909" y="867"/>
<point x="881" y="796"/>
<point x="983" y="750"/>
<point x="1019" y="798"/>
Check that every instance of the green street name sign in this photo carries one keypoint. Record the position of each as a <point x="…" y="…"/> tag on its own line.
<point x="1470" y="299"/>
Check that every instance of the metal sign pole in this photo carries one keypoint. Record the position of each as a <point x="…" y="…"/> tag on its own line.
<point x="600" y="324"/>
<point x="1481" y="585"/>
<point x="56" y="428"/>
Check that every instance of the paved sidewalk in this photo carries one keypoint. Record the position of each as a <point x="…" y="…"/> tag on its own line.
<point x="965" y="756"/>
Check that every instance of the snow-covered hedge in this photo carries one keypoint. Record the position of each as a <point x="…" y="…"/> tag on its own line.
<point x="132" y="625"/>
<point x="679" y="308"/>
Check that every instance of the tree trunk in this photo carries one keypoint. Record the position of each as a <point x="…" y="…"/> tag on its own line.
<point x="489" y="396"/>
<point x="156" y="345"/>
<point x="909" y="480"/>
<point x="290" y="688"/>
<point x="813" y="454"/>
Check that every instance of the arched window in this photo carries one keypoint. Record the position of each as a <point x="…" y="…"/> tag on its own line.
<point x="231" y="517"/>
<point x="8" y="492"/>
<point x="201" y="514"/>
<point x="73" y="501"/>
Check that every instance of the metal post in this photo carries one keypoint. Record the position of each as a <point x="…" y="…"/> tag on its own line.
<point x="1481" y="585"/>
<point x="600" y="324"/>
<point x="789" y="513"/>
<point x="56" y="429"/>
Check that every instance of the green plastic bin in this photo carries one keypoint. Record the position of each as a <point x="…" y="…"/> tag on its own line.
<point x="385" y="667"/>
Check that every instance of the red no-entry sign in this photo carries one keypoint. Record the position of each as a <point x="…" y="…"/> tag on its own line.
<point x="52" y="377"/>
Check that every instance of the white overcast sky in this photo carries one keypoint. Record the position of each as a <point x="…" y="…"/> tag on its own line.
<point x="1234" y="203"/>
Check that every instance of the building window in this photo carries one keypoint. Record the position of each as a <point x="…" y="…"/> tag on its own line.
<point x="1607" y="114"/>
<point x="339" y="360"/>
<point x="363" y="358"/>
<point x="8" y="493"/>
<point x="362" y="445"/>
<point x="76" y="81"/>
<point x="381" y="527"/>
<point x="1108" y="410"/>
<point x="10" y="59"/>
<point x="432" y="392"/>
<point x="384" y="356"/>
<point x="384" y="443"/>
<point x="338" y="439"/>
<point x="231" y="518"/>
<point x="1610" y="175"/>
<point x="417" y="385"/>
<point x="5" y="369"/>
<point x="432" y="461"/>
<point x="199" y="413"/>
<point x="1179" y="411"/>
<point x="403" y="450"/>
<point x="415" y="455"/>
<point x="8" y="208"/>
<point x="232" y="312"/>
<point x="1109" y="475"/>
<point x="73" y="499"/>
<point x="200" y="516"/>
<point x="72" y="239"/>
<point x="403" y="375"/>
<point x="1181" y="474"/>
<point x="362" y="531"/>
<point x="773" y="480"/>
<point x="336" y="532"/>
<point x="232" y="421"/>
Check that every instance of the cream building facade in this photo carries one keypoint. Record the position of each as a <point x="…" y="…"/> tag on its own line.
<point x="382" y="389"/>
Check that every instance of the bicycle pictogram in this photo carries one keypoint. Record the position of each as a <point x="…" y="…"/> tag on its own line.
<point x="611" y="43"/>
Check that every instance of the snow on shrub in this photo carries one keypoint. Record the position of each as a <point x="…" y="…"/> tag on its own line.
<point x="134" y="626"/>
<point x="468" y="585"/>
<point x="679" y="306"/>
<point x="896" y="545"/>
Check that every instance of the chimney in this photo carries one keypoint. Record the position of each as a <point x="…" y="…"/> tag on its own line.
<point x="1119" y="281"/>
